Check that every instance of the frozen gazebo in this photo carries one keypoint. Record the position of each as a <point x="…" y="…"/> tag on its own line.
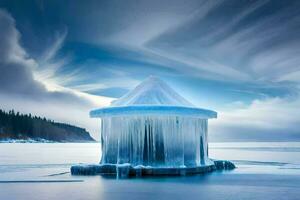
<point x="152" y="130"/>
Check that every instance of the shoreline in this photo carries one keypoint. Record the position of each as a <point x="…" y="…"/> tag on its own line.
<point x="38" y="140"/>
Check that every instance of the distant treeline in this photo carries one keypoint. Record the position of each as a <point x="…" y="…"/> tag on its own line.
<point x="14" y="125"/>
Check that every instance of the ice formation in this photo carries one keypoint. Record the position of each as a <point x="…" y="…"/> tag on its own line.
<point x="153" y="126"/>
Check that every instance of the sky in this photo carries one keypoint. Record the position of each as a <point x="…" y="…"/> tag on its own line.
<point x="241" y="58"/>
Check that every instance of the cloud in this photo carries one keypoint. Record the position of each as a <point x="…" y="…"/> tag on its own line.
<point x="228" y="41"/>
<point x="240" y="41"/>
<point x="57" y="44"/>
<point x="125" y="83"/>
<point x="20" y="90"/>
<point x="269" y="119"/>
<point x="215" y="40"/>
<point x="49" y="66"/>
<point x="16" y="75"/>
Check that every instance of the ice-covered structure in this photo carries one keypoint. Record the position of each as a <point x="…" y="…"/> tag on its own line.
<point x="155" y="130"/>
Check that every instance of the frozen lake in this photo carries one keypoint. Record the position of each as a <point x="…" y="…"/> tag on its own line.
<point x="41" y="171"/>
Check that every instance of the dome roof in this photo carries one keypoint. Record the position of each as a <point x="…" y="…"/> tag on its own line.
<point x="152" y="97"/>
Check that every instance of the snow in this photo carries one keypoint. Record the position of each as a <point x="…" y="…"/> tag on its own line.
<point x="152" y="91"/>
<point x="29" y="140"/>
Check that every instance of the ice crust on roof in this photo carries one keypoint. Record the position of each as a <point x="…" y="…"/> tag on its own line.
<point x="153" y="110"/>
<point x="152" y="91"/>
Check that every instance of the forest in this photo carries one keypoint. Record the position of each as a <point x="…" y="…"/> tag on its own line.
<point x="14" y="125"/>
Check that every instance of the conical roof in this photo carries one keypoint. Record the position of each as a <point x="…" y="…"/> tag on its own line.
<point x="152" y="91"/>
<point x="152" y="97"/>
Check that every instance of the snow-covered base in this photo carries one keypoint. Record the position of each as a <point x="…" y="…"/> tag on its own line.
<point x="127" y="170"/>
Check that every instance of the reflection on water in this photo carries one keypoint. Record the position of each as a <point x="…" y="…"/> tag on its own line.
<point x="41" y="171"/>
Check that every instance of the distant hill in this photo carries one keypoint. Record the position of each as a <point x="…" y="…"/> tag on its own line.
<point x="14" y="125"/>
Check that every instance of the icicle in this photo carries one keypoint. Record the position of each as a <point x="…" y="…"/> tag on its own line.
<point x="157" y="141"/>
